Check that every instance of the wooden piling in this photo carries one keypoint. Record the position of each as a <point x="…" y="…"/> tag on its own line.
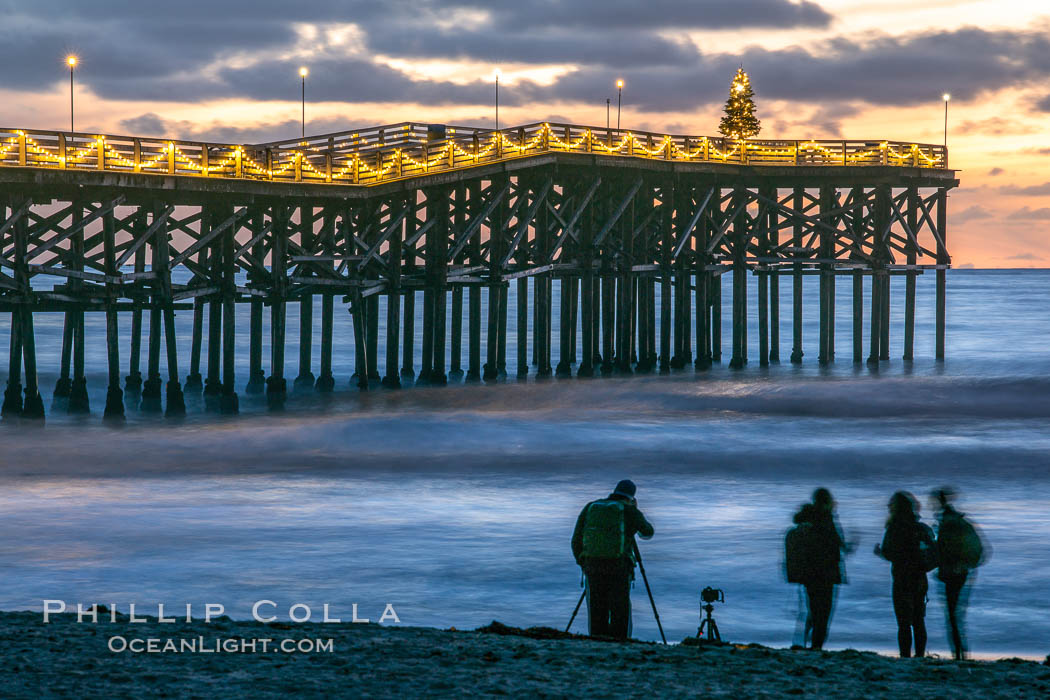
<point x="305" y="379"/>
<point x="587" y="313"/>
<point x="912" y="204"/>
<point x="439" y="252"/>
<point x="459" y="217"/>
<point x="943" y="260"/>
<point x="884" y="322"/>
<point x="372" y="337"/>
<point x="703" y="293"/>
<point x="256" y="375"/>
<point x="12" y="406"/>
<point x="408" y="336"/>
<point x="114" y="395"/>
<point x="151" y="388"/>
<point x="133" y="382"/>
<point x="78" y="395"/>
<point x="474" y="368"/>
<point x="740" y="243"/>
<point x="174" y="398"/>
<point x="799" y="200"/>
<point x="64" y="383"/>
<point x="229" y="403"/>
<point x="716" y="317"/>
<point x="497" y="224"/>
<point x="858" y="316"/>
<point x="193" y="380"/>
<point x="392" y="378"/>
<point x="276" y="386"/>
<point x="32" y="404"/>
<point x="213" y="379"/>
<point x="325" y="381"/>
<point x="879" y="277"/>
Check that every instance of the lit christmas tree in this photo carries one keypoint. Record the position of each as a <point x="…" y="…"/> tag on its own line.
<point x="740" y="121"/>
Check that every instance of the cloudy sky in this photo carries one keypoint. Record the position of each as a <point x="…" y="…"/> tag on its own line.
<point x="227" y="70"/>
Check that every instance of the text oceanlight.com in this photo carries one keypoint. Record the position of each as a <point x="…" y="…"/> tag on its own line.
<point x="229" y="645"/>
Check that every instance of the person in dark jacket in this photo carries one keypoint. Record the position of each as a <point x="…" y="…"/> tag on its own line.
<point x="603" y="545"/>
<point x="961" y="550"/>
<point x="823" y="568"/>
<point x="908" y="544"/>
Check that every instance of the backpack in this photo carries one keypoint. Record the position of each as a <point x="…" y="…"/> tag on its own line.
<point x="798" y="552"/>
<point x="603" y="530"/>
<point x="929" y="552"/>
<point x="960" y="545"/>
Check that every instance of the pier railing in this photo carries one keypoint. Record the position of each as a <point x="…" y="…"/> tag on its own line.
<point x="381" y="154"/>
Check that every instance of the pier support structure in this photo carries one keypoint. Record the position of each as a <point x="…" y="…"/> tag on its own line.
<point x="621" y="266"/>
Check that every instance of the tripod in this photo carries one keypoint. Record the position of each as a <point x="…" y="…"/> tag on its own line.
<point x="709" y="622"/>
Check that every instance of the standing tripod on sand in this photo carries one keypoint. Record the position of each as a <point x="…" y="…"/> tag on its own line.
<point x="708" y="596"/>
<point x="652" y="602"/>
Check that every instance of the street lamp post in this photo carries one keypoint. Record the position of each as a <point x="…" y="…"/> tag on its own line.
<point x="71" y="61"/>
<point x="608" y="102"/>
<point x="619" y="101"/>
<point x="946" y="98"/>
<point x="303" y="72"/>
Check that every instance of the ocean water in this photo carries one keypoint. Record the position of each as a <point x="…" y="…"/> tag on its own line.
<point x="456" y="504"/>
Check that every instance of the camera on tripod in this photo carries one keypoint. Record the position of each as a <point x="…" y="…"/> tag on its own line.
<point x="707" y="597"/>
<point x="712" y="595"/>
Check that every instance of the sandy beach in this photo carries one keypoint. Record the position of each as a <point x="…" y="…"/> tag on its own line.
<point x="66" y="658"/>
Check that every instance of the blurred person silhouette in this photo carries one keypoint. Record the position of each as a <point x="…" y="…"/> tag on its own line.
<point x="814" y="549"/>
<point x="603" y="545"/>
<point x="909" y="545"/>
<point x="961" y="549"/>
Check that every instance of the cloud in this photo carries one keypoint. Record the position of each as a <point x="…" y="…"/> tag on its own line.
<point x="1029" y="190"/>
<point x="972" y="214"/>
<point x="150" y="124"/>
<point x="1043" y="105"/>
<point x="964" y="266"/>
<point x="825" y="121"/>
<point x="200" y="50"/>
<point x="996" y="171"/>
<point x="1028" y="214"/>
<point x="997" y="126"/>
<point x="655" y="14"/>
<point x="1025" y="256"/>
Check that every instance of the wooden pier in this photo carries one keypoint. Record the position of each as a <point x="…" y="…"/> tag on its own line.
<point x="629" y="223"/>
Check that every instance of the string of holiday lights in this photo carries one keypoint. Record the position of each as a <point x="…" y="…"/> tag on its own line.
<point x="362" y="160"/>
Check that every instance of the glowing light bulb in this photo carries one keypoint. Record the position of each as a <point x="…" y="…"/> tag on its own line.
<point x="946" y="97"/>
<point x="619" y="83"/>
<point x="303" y="72"/>
<point x="71" y="60"/>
